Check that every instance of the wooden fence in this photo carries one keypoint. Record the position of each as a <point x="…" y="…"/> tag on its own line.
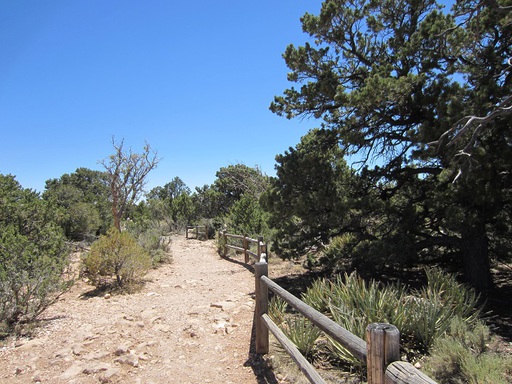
<point x="380" y="352"/>
<point x="197" y="230"/>
<point x="244" y="245"/>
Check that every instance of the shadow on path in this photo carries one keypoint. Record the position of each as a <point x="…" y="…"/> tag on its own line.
<point x="263" y="373"/>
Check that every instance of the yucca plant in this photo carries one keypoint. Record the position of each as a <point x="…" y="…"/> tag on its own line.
<point x="433" y="307"/>
<point x="318" y="295"/>
<point x="277" y="309"/>
<point x="421" y="316"/>
<point x="352" y="321"/>
<point x="302" y="333"/>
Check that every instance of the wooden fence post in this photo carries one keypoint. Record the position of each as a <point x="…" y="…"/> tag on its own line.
<point x="186" y="232"/>
<point x="225" y="244"/>
<point x="260" y="241"/>
<point x="246" y="255"/>
<point x="382" y="348"/>
<point x="206" y="232"/>
<point x="261" y="307"/>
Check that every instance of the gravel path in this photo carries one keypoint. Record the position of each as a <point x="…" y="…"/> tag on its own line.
<point x="191" y="323"/>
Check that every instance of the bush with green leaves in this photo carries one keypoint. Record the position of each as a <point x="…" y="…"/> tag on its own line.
<point x="423" y="316"/>
<point x="296" y="327"/>
<point x="463" y="356"/>
<point x="116" y="258"/>
<point x="277" y="309"/>
<point x="150" y="236"/>
<point x="302" y="333"/>
<point x="247" y="217"/>
<point x="33" y="256"/>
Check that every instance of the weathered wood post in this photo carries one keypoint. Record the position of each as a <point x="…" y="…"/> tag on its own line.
<point x="382" y="348"/>
<point x="225" y="244"/>
<point x="246" y="255"/>
<point x="261" y="307"/>
<point x="206" y="232"/>
<point x="186" y="232"/>
<point x="197" y="231"/>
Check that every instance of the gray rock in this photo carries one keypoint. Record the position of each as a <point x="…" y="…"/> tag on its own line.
<point x="72" y="371"/>
<point x="95" y="367"/>
<point x="128" y="360"/>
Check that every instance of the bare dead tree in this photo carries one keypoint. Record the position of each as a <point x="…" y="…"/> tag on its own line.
<point x="127" y="176"/>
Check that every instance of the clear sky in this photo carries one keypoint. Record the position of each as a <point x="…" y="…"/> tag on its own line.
<point x="192" y="78"/>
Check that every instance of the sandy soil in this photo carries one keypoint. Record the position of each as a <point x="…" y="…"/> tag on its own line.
<point x="191" y="323"/>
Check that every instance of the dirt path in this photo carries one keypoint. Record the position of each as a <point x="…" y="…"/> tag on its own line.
<point x="191" y="323"/>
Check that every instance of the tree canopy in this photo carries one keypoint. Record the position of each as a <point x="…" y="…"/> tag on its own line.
<point x="390" y="78"/>
<point x="82" y="199"/>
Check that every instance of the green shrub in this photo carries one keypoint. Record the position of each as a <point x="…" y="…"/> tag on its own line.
<point x="302" y="333"/>
<point x="247" y="217"/>
<point x="462" y="356"/>
<point x="116" y="255"/>
<point x="421" y="316"/>
<point x="432" y="308"/>
<point x="277" y="309"/>
<point x="150" y="237"/>
<point x="33" y="256"/>
<point x="152" y="241"/>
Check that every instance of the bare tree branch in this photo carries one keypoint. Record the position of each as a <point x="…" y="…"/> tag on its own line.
<point x="127" y="173"/>
<point x="474" y="123"/>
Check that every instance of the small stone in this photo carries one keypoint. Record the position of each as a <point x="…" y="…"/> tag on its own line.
<point x="108" y="375"/>
<point x="71" y="372"/>
<point x="143" y="357"/>
<point x="95" y="368"/>
<point x="122" y="350"/>
<point x="77" y="349"/>
<point x="128" y="360"/>
<point x="107" y="296"/>
<point x="417" y="365"/>
<point x="97" y="355"/>
<point x="224" y="305"/>
<point x="62" y="353"/>
<point x="31" y="344"/>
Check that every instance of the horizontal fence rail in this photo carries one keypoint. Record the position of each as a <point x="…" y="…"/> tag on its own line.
<point x="243" y="244"/>
<point x="380" y="352"/>
<point x="196" y="230"/>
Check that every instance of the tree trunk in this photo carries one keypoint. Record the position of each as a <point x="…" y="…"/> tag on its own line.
<point x="476" y="265"/>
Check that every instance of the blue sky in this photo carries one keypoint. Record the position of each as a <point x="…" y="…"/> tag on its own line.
<point x="193" y="79"/>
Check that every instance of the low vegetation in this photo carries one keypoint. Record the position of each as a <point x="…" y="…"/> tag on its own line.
<point x="33" y="257"/>
<point x="116" y="258"/>
<point x="440" y="325"/>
